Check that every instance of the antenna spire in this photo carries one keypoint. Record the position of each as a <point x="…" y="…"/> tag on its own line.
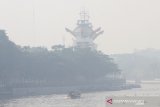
<point x="84" y="15"/>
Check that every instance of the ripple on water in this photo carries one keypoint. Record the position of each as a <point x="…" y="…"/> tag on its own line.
<point x="96" y="99"/>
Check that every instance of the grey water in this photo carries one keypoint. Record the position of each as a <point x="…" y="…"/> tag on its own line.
<point x="96" y="99"/>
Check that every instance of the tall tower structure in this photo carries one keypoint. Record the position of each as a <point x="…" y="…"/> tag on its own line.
<point x="84" y="33"/>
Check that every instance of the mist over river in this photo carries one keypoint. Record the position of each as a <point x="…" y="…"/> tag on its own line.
<point x="96" y="99"/>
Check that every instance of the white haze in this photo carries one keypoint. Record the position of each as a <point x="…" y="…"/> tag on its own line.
<point x="128" y="24"/>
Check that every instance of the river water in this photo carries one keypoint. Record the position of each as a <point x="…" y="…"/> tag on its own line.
<point x="96" y="99"/>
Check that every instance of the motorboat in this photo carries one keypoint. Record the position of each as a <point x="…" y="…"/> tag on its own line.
<point x="74" y="94"/>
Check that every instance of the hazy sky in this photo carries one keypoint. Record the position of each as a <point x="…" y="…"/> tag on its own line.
<point x="127" y="24"/>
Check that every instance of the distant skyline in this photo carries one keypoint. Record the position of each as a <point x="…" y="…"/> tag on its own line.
<point x="127" y="24"/>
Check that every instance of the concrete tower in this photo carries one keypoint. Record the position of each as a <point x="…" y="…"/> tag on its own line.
<point x="84" y="33"/>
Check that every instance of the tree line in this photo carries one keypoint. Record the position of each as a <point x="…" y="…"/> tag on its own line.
<point x="58" y="67"/>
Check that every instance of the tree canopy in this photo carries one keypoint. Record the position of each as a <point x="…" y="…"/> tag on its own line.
<point x="59" y="66"/>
